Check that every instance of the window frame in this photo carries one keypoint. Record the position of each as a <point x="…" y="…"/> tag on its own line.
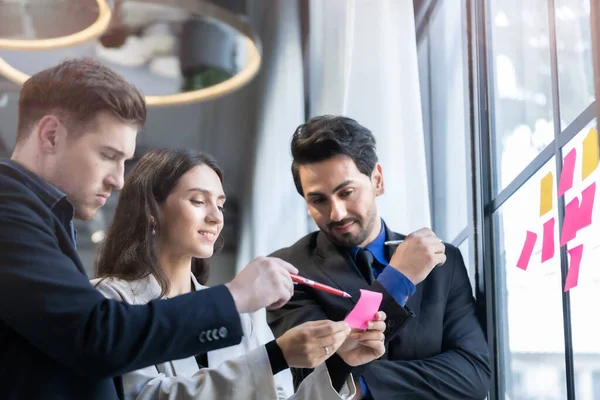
<point x="483" y="203"/>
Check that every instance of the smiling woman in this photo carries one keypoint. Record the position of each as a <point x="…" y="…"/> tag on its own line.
<point x="169" y="198"/>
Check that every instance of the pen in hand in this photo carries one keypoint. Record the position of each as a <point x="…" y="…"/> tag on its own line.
<point x="393" y="242"/>
<point x="319" y="286"/>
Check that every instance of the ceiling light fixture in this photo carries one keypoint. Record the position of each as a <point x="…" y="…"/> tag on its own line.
<point x="90" y="32"/>
<point x="174" y="51"/>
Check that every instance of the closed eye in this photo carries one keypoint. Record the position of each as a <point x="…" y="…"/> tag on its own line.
<point x="197" y="202"/>
<point x="110" y="157"/>
<point x="318" y="200"/>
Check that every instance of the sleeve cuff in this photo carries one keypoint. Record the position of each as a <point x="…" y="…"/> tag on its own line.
<point x="398" y="285"/>
<point x="276" y="358"/>
<point x="338" y="371"/>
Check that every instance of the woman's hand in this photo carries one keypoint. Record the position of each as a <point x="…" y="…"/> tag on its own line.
<point x="362" y="347"/>
<point x="310" y="344"/>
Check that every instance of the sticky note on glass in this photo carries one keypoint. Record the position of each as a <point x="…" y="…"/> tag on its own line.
<point x="573" y="274"/>
<point x="364" y="310"/>
<point x="578" y="216"/>
<point x="589" y="160"/>
<point x="523" y="261"/>
<point x="546" y="186"/>
<point x="568" y="170"/>
<point x="548" y="240"/>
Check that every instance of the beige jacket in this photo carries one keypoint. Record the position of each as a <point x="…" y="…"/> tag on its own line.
<point x="240" y="372"/>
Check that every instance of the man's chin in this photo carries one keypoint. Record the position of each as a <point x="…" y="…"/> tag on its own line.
<point x="85" y="213"/>
<point x="344" y="239"/>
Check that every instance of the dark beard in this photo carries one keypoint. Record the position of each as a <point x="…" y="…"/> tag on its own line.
<point x="347" y="240"/>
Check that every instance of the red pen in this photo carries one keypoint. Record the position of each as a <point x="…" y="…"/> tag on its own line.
<point x="319" y="286"/>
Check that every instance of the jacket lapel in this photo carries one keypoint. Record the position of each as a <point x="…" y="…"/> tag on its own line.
<point x="67" y="246"/>
<point x="338" y="266"/>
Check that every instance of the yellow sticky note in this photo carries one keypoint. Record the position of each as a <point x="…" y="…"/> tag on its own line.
<point x="546" y="193"/>
<point x="589" y="160"/>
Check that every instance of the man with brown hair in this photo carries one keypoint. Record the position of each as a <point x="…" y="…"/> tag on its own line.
<point x="59" y="337"/>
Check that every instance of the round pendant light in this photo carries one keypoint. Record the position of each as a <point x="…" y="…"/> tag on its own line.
<point x="174" y="51"/>
<point x="47" y="24"/>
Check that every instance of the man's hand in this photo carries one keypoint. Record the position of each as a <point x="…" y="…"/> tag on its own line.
<point x="362" y="347"/>
<point x="264" y="282"/>
<point x="311" y="343"/>
<point x="418" y="254"/>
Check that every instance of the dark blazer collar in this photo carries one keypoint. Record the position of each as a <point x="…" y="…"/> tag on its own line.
<point x="48" y="193"/>
<point x="336" y="262"/>
<point x="337" y="265"/>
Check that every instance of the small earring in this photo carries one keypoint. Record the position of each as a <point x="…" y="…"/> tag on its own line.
<point x="153" y="232"/>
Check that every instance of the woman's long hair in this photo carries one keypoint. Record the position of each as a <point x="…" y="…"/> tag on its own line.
<point x="129" y="249"/>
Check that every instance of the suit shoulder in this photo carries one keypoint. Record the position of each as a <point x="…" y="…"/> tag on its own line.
<point x="10" y="182"/>
<point x="453" y="254"/>
<point x="303" y="246"/>
<point x="17" y="198"/>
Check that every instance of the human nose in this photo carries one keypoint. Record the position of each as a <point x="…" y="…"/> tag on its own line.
<point x="214" y="214"/>
<point x="338" y="210"/>
<point x="116" y="178"/>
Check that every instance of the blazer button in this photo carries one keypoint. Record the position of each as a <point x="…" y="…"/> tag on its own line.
<point x="223" y="332"/>
<point x="201" y="336"/>
<point x="214" y="334"/>
<point x="391" y="323"/>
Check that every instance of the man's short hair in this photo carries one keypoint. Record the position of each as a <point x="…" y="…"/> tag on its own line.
<point x="75" y="91"/>
<point x="327" y="136"/>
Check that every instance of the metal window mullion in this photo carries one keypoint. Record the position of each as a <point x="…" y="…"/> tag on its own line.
<point x="486" y="289"/>
<point x="566" y="303"/>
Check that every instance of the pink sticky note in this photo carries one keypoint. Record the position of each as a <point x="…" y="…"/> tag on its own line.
<point x="548" y="240"/>
<point x="364" y="310"/>
<point x="587" y="206"/>
<point x="568" y="170"/>
<point x="530" y="240"/>
<point x="578" y="216"/>
<point x="573" y="273"/>
<point x="569" y="230"/>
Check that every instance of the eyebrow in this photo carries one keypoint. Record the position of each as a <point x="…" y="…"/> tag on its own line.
<point x="335" y="189"/>
<point x="118" y="152"/>
<point x="205" y="192"/>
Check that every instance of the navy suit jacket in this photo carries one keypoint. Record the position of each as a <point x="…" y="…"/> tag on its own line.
<point x="435" y="346"/>
<point x="62" y="339"/>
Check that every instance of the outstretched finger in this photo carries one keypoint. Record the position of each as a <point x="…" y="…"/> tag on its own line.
<point x="329" y="329"/>
<point x="380" y="316"/>
<point x="376" y="326"/>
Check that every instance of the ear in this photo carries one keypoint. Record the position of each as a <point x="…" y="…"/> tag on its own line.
<point x="377" y="180"/>
<point x="50" y="133"/>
